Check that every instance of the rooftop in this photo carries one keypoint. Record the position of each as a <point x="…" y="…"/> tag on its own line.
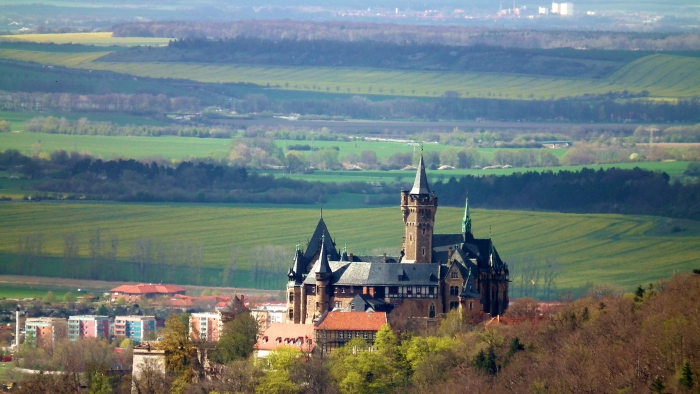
<point x="282" y="334"/>
<point x="356" y="321"/>
<point x="143" y="288"/>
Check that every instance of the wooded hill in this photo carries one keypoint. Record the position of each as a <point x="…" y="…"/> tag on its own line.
<point x="418" y="34"/>
<point x="566" y="62"/>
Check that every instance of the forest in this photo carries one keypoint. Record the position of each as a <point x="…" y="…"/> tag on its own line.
<point x="76" y="176"/>
<point x="417" y="34"/>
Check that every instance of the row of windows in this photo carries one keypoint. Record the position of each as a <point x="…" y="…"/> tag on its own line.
<point x="349" y="334"/>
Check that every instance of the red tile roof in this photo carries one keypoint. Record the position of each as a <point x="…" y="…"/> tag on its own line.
<point x="143" y="288"/>
<point x="355" y="321"/>
<point x="282" y="334"/>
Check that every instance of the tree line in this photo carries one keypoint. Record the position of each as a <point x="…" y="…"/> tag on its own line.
<point x="113" y="102"/>
<point x="53" y="125"/>
<point x="606" y="108"/>
<point x="613" y="190"/>
<point x="412" y="34"/>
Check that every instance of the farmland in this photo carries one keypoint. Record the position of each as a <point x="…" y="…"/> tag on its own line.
<point x="178" y="148"/>
<point x="588" y="248"/>
<point x="660" y="75"/>
<point x="97" y="39"/>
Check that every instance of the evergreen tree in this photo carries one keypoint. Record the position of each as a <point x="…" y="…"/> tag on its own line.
<point x="686" y="379"/>
<point x="657" y="386"/>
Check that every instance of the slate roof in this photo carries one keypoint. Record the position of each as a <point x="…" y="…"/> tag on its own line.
<point x="381" y="274"/>
<point x="322" y="267"/>
<point x="447" y="240"/>
<point x="314" y="244"/>
<point x="469" y="290"/>
<point x="365" y="302"/>
<point x="420" y="184"/>
<point x="356" y="321"/>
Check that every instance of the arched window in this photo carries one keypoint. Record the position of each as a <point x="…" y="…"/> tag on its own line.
<point x="432" y="310"/>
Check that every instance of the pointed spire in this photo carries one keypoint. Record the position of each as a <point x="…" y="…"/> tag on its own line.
<point x="323" y="266"/>
<point x="420" y="185"/>
<point x="467" y="221"/>
<point x="296" y="272"/>
<point x="468" y="288"/>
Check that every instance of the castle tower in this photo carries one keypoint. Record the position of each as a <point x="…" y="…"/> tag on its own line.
<point x="323" y="278"/>
<point x="418" y="207"/>
<point x="294" y="290"/>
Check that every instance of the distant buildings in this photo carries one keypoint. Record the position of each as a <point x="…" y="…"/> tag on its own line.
<point x="269" y="313"/>
<point x="206" y="326"/>
<point x="564" y="9"/>
<point x="88" y="327"/>
<point x="133" y="293"/>
<point x="44" y="331"/>
<point x="136" y="328"/>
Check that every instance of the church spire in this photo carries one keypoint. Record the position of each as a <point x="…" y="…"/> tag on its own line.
<point x="420" y="185"/>
<point x="467" y="221"/>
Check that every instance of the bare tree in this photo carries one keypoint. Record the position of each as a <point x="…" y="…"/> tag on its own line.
<point x="551" y="272"/>
<point x="230" y="270"/>
<point x="71" y="251"/>
<point x="29" y="253"/>
<point x="142" y="255"/>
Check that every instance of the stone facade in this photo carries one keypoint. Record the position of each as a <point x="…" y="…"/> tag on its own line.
<point x="432" y="274"/>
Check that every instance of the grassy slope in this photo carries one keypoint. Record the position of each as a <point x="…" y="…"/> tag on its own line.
<point x="667" y="75"/>
<point x="595" y="248"/>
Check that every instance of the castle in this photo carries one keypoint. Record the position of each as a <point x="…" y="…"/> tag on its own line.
<point x="434" y="273"/>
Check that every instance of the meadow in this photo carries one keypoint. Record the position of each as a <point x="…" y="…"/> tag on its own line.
<point x="178" y="148"/>
<point x="625" y="250"/>
<point x="660" y="75"/>
<point x="30" y="291"/>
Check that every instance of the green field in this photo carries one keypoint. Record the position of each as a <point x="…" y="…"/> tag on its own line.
<point x="588" y="248"/>
<point x="660" y="75"/>
<point x="176" y="148"/>
<point x="30" y="291"/>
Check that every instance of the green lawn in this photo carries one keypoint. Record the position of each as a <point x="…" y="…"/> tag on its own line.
<point x="588" y="248"/>
<point x="18" y="118"/>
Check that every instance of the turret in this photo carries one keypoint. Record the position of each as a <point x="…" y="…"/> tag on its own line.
<point x="418" y="207"/>
<point x="323" y="277"/>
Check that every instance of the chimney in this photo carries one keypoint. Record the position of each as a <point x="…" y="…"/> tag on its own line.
<point x="384" y="261"/>
<point x="352" y="257"/>
<point x="449" y="253"/>
<point x="371" y="291"/>
<point x="364" y="290"/>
